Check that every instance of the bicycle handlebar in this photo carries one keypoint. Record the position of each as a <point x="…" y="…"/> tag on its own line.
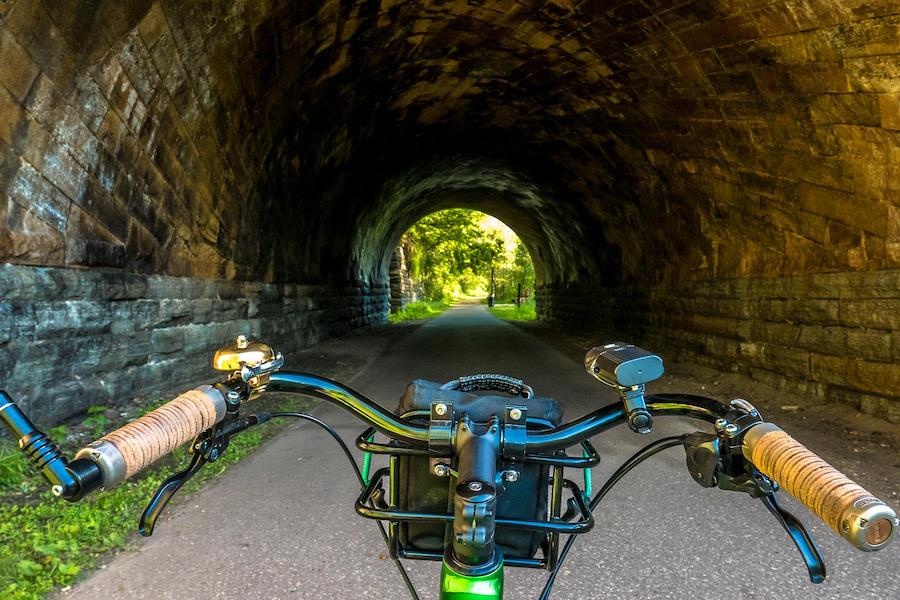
<point x="371" y="412"/>
<point x="851" y="511"/>
<point x="133" y="447"/>
<point x="557" y="438"/>
<point x="574" y="432"/>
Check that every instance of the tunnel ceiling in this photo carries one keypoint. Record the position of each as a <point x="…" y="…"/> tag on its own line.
<point x="625" y="141"/>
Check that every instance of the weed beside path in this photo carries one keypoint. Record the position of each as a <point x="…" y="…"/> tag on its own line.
<point x="511" y="312"/>
<point x="417" y="311"/>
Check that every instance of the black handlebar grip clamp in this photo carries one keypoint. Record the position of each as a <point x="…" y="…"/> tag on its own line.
<point x="626" y="368"/>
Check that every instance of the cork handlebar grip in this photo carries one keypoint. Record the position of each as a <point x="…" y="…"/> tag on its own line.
<point x="855" y="514"/>
<point x="133" y="447"/>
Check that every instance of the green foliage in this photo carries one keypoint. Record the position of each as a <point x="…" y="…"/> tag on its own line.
<point x="96" y="420"/>
<point x="13" y="467"/>
<point x="511" y="312"/>
<point x="450" y="253"/>
<point x="512" y="270"/>
<point x="416" y="311"/>
<point x="45" y="543"/>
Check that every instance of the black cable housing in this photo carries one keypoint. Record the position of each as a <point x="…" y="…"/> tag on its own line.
<point x="634" y="460"/>
<point x="334" y="434"/>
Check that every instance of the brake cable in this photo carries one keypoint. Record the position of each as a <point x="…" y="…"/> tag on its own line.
<point x="362" y="482"/>
<point x="634" y="460"/>
<point x="332" y="433"/>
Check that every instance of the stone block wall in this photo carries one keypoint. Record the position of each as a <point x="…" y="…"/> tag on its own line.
<point x="110" y="156"/>
<point x="136" y="231"/>
<point x="71" y="338"/>
<point x="403" y="289"/>
<point x="822" y="337"/>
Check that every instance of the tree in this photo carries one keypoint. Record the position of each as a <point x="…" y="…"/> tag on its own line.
<point x="513" y="270"/>
<point x="451" y="253"/>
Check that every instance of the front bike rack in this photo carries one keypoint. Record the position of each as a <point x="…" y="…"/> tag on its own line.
<point x="379" y="502"/>
<point x="367" y="505"/>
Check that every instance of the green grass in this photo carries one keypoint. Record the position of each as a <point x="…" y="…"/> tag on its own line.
<point x="512" y="312"/>
<point x="45" y="543"/>
<point x="416" y="311"/>
<point x="96" y="420"/>
<point x="14" y="469"/>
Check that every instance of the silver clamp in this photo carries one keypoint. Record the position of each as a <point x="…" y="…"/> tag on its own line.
<point x="745" y="406"/>
<point x="515" y="432"/>
<point x="440" y="427"/>
<point x="251" y="372"/>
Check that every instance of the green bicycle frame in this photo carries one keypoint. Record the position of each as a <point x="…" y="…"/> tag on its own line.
<point x="456" y="586"/>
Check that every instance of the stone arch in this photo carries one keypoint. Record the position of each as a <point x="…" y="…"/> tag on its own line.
<point x="554" y="236"/>
<point x="706" y="174"/>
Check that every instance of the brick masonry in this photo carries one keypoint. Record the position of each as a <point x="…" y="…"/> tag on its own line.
<point x="70" y="338"/>
<point x="161" y="136"/>
<point x="646" y="145"/>
<point x="823" y="337"/>
<point x="403" y="289"/>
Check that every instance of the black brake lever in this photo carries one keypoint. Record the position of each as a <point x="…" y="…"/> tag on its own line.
<point x="712" y="463"/>
<point x="165" y="492"/>
<point x="800" y="536"/>
<point x="206" y="448"/>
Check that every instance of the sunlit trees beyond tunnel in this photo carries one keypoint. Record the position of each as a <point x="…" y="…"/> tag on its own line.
<point x="458" y="253"/>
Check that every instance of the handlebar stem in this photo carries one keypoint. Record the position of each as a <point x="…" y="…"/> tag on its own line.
<point x="473" y="550"/>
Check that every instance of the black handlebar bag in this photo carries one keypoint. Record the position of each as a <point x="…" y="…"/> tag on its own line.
<point x="419" y="490"/>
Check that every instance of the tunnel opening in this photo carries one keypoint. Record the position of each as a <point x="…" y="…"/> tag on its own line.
<point x="554" y="231"/>
<point x="460" y="254"/>
<point x="716" y="179"/>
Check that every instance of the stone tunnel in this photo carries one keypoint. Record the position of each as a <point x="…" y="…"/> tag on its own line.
<point x="717" y="179"/>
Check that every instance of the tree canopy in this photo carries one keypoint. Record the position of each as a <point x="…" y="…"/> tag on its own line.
<point x="452" y="252"/>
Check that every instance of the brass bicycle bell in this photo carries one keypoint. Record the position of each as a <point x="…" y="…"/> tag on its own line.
<point x="252" y="361"/>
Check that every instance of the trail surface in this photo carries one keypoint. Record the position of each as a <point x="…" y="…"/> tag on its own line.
<point x="281" y="524"/>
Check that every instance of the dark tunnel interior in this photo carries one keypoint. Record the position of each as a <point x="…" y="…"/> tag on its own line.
<point x="716" y="177"/>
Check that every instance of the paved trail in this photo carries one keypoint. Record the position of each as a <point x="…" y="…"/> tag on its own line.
<point x="281" y="524"/>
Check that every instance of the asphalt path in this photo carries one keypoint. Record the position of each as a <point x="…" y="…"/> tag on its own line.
<point x="281" y="523"/>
